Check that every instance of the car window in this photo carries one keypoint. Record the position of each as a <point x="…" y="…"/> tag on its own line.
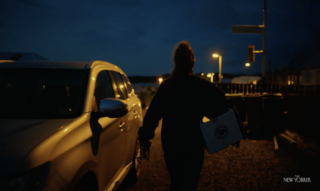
<point x="127" y="82"/>
<point x="34" y="93"/>
<point x="121" y="89"/>
<point x="103" y="88"/>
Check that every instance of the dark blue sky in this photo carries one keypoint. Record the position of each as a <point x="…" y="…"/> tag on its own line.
<point x="140" y="35"/>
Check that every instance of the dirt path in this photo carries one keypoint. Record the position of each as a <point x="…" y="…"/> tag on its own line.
<point x="253" y="166"/>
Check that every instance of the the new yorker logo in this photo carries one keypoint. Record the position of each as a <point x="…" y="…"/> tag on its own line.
<point x="297" y="178"/>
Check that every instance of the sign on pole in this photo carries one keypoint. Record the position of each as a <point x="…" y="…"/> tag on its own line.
<point x="248" y="29"/>
<point x="254" y="29"/>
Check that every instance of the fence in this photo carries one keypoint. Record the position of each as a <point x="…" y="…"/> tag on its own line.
<point x="302" y="90"/>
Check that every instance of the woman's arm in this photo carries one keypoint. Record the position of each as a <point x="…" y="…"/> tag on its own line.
<point x="152" y="117"/>
<point x="216" y="103"/>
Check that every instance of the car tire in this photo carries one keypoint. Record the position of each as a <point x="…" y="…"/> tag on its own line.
<point x="134" y="173"/>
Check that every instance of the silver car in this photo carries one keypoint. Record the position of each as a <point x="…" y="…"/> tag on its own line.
<point x="67" y="126"/>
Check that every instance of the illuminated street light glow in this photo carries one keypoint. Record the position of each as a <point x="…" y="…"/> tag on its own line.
<point x="220" y="63"/>
<point x="210" y="75"/>
<point x="215" y="55"/>
<point x="160" y="80"/>
<point x="247" y="64"/>
<point x="202" y="74"/>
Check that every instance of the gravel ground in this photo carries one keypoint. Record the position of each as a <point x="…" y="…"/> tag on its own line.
<point x="254" y="166"/>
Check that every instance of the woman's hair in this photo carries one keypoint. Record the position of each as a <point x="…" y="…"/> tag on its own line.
<point x="183" y="59"/>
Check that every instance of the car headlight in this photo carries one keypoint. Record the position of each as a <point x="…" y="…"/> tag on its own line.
<point x="31" y="180"/>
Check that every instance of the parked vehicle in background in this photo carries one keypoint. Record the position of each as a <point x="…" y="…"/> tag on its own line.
<point x="67" y="126"/>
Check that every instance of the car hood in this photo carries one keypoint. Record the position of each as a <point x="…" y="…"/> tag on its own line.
<point x="19" y="137"/>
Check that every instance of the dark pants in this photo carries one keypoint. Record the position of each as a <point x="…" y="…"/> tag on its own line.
<point x="184" y="168"/>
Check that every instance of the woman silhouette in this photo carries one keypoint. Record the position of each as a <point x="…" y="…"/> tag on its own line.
<point x="182" y="101"/>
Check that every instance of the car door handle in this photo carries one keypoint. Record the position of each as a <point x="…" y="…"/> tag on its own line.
<point x="121" y="124"/>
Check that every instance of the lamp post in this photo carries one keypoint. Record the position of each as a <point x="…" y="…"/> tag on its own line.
<point x="210" y="75"/>
<point x="220" y="64"/>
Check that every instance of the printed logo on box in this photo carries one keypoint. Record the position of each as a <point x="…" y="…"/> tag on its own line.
<point x="221" y="131"/>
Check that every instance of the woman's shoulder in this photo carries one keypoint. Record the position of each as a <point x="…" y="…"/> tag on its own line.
<point x="202" y="81"/>
<point x="193" y="80"/>
<point x="205" y="86"/>
<point x="166" y="81"/>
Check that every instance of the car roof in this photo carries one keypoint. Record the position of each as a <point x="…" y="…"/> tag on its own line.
<point x="60" y="64"/>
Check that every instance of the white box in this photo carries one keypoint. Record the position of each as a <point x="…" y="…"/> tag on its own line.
<point x="221" y="132"/>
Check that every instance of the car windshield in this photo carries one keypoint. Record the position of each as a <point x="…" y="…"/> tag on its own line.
<point x="42" y="93"/>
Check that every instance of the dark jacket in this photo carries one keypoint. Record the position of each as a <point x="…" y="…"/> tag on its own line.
<point x="182" y="105"/>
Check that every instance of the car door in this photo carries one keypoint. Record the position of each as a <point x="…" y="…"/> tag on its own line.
<point x="123" y="94"/>
<point x="112" y="139"/>
<point x="133" y="118"/>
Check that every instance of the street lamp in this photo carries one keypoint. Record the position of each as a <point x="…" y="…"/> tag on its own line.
<point x="220" y="63"/>
<point x="247" y="64"/>
<point x="210" y="75"/>
<point x="160" y="80"/>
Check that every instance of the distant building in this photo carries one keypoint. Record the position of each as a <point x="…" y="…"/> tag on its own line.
<point x="224" y="80"/>
<point x="246" y="79"/>
<point x="301" y="69"/>
<point x="310" y="74"/>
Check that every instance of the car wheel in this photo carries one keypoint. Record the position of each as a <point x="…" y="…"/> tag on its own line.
<point x="135" y="170"/>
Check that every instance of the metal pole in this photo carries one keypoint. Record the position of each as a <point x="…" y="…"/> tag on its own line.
<point x="269" y="72"/>
<point x="220" y="63"/>
<point x="264" y="40"/>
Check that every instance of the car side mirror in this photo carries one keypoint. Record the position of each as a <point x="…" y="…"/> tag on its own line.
<point x="113" y="108"/>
